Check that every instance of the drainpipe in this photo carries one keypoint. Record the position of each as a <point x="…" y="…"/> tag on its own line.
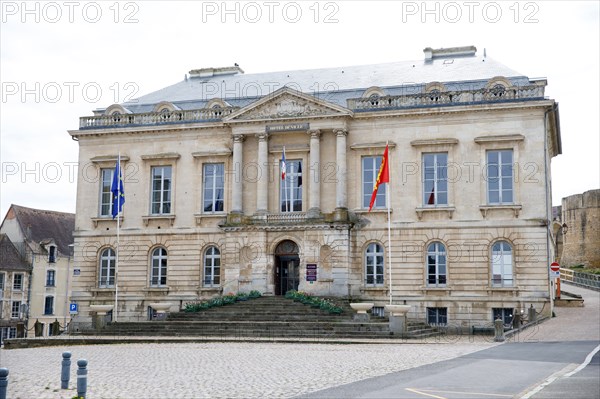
<point x="548" y="212"/>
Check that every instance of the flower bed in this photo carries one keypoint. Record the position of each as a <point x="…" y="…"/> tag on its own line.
<point x="313" y="301"/>
<point x="220" y="301"/>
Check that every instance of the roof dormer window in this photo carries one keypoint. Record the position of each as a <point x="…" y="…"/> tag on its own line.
<point x="52" y="253"/>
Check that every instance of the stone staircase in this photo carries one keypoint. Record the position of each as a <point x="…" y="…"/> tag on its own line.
<point x="266" y="317"/>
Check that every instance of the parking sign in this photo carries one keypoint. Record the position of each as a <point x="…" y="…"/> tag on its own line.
<point x="73" y="308"/>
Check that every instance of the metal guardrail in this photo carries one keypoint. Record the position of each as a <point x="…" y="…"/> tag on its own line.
<point x="586" y="280"/>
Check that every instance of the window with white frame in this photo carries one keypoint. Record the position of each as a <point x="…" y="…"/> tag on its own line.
<point x="212" y="267"/>
<point x="213" y="187"/>
<point x="50" y="278"/>
<point x="8" y="332"/>
<point x="158" y="273"/>
<point x="161" y="190"/>
<point x="17" y="282"/>
<point x="15" y="309"/>
<point x="500" y="177"/>
<point x="437" y="316"/>
<point x="435" y="179"/>
<point x="106" y="196"/>
<point x="436" y="265"/>
<point x="502" y="264"/>
<point x="374" y="264"/>
<point x="107" y="268"/>
<point x="370" y="169"/>
<point x="290" y="190"/>
<point x="49" y="305"/>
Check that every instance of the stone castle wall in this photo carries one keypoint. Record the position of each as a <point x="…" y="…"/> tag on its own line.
<point x="581" y="245"/>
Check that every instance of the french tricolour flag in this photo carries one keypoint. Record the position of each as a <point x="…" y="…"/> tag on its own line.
<point x="283" y="166"/>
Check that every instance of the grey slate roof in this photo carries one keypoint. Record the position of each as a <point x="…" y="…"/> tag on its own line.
<point x="332" y="84"/>
<point x="44" y="226"/>
<point x="10" y="259"/>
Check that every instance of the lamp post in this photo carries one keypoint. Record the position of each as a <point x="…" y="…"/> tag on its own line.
<point x="66" y="310"/>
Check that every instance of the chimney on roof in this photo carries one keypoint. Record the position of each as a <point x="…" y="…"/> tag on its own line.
<point x="210" y="72"/>
<point x="452" y="52"/>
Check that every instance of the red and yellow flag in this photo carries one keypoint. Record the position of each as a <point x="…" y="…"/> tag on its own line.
<point x="383" y="176"/>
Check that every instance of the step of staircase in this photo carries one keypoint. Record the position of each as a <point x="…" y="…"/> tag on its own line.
<point x="265" y="317"/>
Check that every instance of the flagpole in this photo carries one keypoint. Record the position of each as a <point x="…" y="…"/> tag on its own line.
<point x="118" y="170"/>
<point x="387" y="200"/>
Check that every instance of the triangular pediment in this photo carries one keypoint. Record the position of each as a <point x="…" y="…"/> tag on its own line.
<point x="287" y="103"/>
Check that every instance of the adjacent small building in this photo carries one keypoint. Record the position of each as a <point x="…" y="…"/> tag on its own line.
<point x="37" y="272"/>
<point x="237" y="182"/>
<point x="15" y="277"/>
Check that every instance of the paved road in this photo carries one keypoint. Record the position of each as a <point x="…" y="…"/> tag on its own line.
<point x="538" y="363"/>
<point x="464" y="368"/>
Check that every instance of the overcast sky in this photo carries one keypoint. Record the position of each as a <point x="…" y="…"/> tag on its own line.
<point x="60" y="60"/>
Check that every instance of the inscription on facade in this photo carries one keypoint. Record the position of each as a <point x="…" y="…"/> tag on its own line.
<point x="290" y="127"/>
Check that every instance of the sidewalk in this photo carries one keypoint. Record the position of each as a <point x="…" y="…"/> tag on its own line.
<point x="573" y="324"/>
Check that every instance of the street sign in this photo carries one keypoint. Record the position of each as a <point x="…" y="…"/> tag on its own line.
<point x="555" y="269"/>
<point x="73" y="308"/>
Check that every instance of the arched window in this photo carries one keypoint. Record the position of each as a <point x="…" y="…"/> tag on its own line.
<point x="107" y="268"/>
<point x="502" y="264"/>
<point x="158" y="274"/>
<point x="212" y="267"/>
<point x="374" y="264"/>
<point x="436" y="265"/>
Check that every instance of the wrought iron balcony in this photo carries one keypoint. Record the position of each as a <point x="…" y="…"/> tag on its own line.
<point x="435" y="98"/>
<point x="155" y="118"/>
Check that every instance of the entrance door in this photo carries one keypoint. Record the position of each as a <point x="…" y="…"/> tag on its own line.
<point x="287" y="267"/>
<point x="287" y="274"/>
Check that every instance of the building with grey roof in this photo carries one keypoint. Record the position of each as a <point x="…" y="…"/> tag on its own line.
<point x="237" y="181"/>
<point x="43" y="241"/>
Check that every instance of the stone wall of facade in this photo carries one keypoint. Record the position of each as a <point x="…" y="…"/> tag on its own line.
<point x="581" y="244"/>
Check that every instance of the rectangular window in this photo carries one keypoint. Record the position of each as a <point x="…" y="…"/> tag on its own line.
<point x="370" y="169"/>
<point x="15" y="310"/>
<point x="435" y="179"/>
<point x="437" y="316"/>
<point x="161" y="190"/>
<point x="106" y="197"/>
<point x="50" y="278"/>
<point x="18" y="282"/>
<point x="291" y="188"/>
<point x="500" y="177"/>
<point x="505" y="314"/>
<point x="1" y="283"/>
<point x="49" y="305"/>
<point x="8" y="332"/>
<point x="213" y="187"/>
<point x="52" y="254"/>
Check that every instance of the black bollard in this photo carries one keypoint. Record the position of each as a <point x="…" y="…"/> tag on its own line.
<point x="3" y="382"/>
<point x="82" y="377"/>
<point x="65" y="373"/>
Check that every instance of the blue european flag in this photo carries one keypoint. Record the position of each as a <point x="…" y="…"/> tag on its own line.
<point x="117" y="190"/>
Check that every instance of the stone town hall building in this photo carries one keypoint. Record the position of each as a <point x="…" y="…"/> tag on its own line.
<point x="207" y="212"/>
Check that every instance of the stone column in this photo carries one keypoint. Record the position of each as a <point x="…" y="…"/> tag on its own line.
<point x="262" y="185"/>
<point x="314" y="199"/>
<point x="236" y="197"/>
<point x="341" y="196"/>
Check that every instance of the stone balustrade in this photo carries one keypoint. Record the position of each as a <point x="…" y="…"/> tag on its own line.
<point x="291" y="217"/>
<point x="154" y="118"/>
<point x="496" y="94"/>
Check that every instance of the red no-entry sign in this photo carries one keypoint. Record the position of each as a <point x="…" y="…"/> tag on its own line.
<point x="555" y="267"/>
